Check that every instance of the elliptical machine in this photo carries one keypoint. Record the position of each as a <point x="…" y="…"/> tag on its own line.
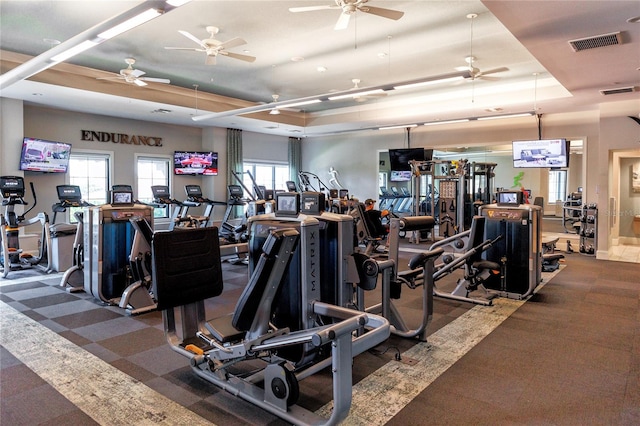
<point x="70" y="196"/>
<point x="12" y="257"/>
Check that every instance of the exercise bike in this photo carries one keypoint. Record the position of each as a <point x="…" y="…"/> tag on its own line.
<point x="13" y="257"/>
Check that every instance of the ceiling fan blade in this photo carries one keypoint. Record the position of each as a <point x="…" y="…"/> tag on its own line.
<point x="487" y="78"/>
<point x="493" y="71"/>
<point x="137" y="73"/>
<point x="193" y="38"/>
<point x="110" y="78"/>
<point x="210" y="60"/>
<point x="246" y="58"/>
<point x="311" y="8"/>
<point x="234" y="42"/>
<point x="343" y="21"/>
<point x="385" y="13"/>
<point x="139" y="82"/>
<point x="155" y="80"/>
<point x="463" y="68"/>
<point x="195" y="49"/>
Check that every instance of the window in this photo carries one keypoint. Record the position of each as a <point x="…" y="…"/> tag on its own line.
<point x="557" y="185"/>
<point x="271" y="176"/>
<point x="90" y="172"/>
<point x="382" y="179"/>
<point x="152" y="171"/>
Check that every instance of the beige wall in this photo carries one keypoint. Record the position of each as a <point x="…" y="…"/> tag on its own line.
<point x="354" y="155"/>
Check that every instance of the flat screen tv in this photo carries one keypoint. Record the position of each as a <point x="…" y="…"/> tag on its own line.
<point x="204" y="163"/>
<point x="550" y="153"/>
<point x="399" y="158"/>
<point x="400" y="176"/>
<point x="39" y="155"/>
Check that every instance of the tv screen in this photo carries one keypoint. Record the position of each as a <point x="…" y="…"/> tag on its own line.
<point x="399" y="158"/>
<point x="510" y="198"/>
<point x="195" y="163"/>
<point x="12" y="186"/>
<point x="287" y="204"/>
<point x="69" y="192"/>
<point x="119" y="198"/>
<point x="40" y="155"/>
<point x="541" y="153"/>
<point x="400" y="175"/>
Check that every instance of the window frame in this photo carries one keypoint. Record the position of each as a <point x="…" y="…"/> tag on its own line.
<point x="86" y="153"/>
<point x="168" y="160"/>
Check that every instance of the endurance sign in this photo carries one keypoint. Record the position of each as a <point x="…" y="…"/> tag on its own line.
<point x="94" y="136"/>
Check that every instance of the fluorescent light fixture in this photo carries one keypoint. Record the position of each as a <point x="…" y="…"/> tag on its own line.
<point x="138" y="14"/>
<point x="355" y="94"/>
<point x="307" y="102"/>
<point x="78" y="48"/>
<point x="496" y="117"/>
<point x="351" y="93"/>
<point x="402" y="126"/>
<point x="413" y="85"/>
<point x="435" y="123"/>
<point x="140" y="19"/>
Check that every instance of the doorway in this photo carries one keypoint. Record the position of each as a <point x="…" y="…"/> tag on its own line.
<point x="624" y="207"/>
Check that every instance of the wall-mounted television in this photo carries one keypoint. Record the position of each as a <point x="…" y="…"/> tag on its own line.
<point x="399" y="158"/>
<point x="400" y="176"/>
<point x="204" y="163"/>
<point x="541" y="153"/>
<point x="39" y="155"/>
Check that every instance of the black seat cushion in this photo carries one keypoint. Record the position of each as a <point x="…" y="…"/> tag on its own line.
<point x="186" y="266"/>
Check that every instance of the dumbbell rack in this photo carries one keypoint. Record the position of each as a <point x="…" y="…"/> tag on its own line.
<point x="589" y="229"/>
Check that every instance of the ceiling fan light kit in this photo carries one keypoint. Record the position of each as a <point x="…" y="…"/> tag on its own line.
<point x="134" y="76"/>
<point x="213" y="47"/>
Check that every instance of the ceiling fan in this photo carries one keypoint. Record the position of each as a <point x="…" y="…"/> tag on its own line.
<point x="475" y="72"/>
<point x="213" y="47"/>
<point x="363" y="97"/>
<point x="133" y="76"/>
<point x="350" y="7"/>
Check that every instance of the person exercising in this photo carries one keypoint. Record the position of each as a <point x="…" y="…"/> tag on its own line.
<point x="374" y="219"/>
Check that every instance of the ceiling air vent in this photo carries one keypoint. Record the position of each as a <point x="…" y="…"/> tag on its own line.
<point x="618" y="90"/>
<point x="603" y="40"/>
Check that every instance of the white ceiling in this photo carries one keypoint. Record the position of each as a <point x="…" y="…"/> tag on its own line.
<point x="432" y="38"/>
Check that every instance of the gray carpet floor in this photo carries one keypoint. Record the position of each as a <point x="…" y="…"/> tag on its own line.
<point x="570" y="355"/>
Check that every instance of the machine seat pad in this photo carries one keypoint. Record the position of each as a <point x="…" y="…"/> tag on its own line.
<point x="550" y="241"/>
<point x="222" y="329"/>
<point x="552" y="257"/>
<point x="186" y="266"/>
<point x="251" y="297"/>
<point x="417" y="223"/>
<point x="142" y="225"/>
<point x="486" y="264"/>
<point x="418" y="260"/>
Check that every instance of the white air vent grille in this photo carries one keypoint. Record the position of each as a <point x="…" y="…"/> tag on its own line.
<point x="618" y="90"/>
<point x="596" y="41"/>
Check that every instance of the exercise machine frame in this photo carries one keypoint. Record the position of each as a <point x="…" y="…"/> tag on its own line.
<point x="182" y="287"/>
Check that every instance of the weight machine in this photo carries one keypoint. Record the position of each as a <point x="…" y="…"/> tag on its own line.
<point x="284" y="328"/>
<point x="13" y="257"/>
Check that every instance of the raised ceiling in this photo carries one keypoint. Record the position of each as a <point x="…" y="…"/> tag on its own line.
<point x="529" y="38"/>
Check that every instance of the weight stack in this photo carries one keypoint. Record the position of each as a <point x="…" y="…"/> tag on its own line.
<point x="520" y="247"/>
